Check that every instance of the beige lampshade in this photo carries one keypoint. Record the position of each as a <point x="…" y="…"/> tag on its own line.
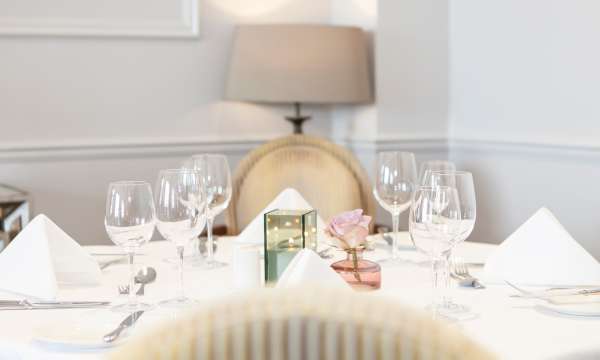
<point x="299" y="63"/>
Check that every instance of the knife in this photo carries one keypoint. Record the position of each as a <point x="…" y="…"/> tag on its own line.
<point x="553" y="292"/>
<point x="28" y="305"/>
<point x="128" y="322"/>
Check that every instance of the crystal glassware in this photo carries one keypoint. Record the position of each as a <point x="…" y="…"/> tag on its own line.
<point x="462" y="181"/>
<point x="434" y="226"/>
<point x="396" y="178"/>
<point x="216" y="176"/>
<point x="428" y="167"/>
<point x="181" y="216"/>
<point x="129" y="222"/>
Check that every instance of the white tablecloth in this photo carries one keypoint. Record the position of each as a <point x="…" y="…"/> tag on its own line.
<point x="511" y="327"/>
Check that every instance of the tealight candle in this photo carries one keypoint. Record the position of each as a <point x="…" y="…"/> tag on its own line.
<point x="286" y="233"/>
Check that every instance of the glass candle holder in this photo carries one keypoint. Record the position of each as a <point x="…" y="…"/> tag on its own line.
<point x="286" y="233"/>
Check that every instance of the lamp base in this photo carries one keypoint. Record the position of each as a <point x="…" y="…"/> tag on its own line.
<point x="297" y="119"/>
<point x="297" y="122"/>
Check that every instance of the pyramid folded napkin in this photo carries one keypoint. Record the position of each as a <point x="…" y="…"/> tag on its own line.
<point x="42" y="257"/>
<point x="307" y="268"/>
<point x="542" y="253"/>
<point x="288" y="199"/>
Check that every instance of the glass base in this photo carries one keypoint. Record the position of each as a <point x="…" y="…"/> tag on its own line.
<point x="451" y="311"/>
<point x="178" y="302"/>
<point x="131" y="307"/>
<point x="209" y="265"/>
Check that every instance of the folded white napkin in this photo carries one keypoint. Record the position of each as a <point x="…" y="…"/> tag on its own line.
<point x="307" y="268"/>
<point x="541" y="252"/>
<point x="288" y="199"/>
<point x="43" y="256"/>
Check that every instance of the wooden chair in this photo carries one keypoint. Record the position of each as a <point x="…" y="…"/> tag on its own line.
<point x="328" y="176"/>
<point x="275" y="324"/>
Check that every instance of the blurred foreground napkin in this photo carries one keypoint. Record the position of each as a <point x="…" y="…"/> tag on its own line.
<point x="43" y="256"/>
<point x="307" y="268"/>
<point x="288" y="199"/>
<point x="541" y="252"/>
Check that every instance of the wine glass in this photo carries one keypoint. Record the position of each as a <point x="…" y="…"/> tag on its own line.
<point x="434" y="225"/>
<point x="462" y="181"/>
<point x="214" y="169"/>
<point x="181" y="216"/>
<point x="433" y="165"/>
<point x="396" y="178"/>
<point x="129" y="221"/>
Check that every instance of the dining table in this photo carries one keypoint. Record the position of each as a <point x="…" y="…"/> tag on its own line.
<point x="510" y="327"/>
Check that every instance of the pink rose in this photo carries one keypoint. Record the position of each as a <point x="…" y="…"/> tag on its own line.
<point x="349" y="228"/>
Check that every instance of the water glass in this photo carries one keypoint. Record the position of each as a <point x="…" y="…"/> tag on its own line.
<point x="216" y="176"/>
<point x="434" y="225"/>
<point x="396" y="178"/>
<point x="129" y="222"/>
<point x="181" y="216"/>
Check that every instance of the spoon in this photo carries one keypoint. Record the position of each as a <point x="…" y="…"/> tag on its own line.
<point x="145" y="276"/>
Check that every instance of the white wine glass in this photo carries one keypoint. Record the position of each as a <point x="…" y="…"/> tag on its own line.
<point x="428" y="167"/>
<point x="462" y="181"/>
<point x="129" y="221"/>
<point x="181" y="216"/>
<point x="396" y="178"/>
<point x="216" y="176"/>
<point x="434" y="224"/>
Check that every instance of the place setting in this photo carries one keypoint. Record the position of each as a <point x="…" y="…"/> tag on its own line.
<point x="109" y="294"/>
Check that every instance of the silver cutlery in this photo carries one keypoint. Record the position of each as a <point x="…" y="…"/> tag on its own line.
<point x="111" y="262"/>
<point x="126" y="323"/>
<point x="30" y="305"/>
<point x="460" y="271"/>
<point x="145" y="276"/>
<point x="545" y="294"/>
<point x="113" y="254"/>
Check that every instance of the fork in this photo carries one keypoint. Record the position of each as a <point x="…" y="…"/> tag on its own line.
<point x="460" y="271"/>
<point x="124" y="290"/>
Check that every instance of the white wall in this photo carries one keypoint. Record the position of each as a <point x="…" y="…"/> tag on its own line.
<point x="412" y="69"/>
<point x="78" y="112"/>
<point x="57" y="89"/>
<point x="525" y="111"/>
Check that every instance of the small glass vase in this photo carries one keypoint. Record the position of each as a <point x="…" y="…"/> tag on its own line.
<point x="360" y="273"/>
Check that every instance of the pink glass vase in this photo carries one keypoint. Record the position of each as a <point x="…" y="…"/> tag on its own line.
<point x="361" y="274"/>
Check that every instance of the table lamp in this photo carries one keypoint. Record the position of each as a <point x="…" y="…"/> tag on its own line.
<point x="297" y="64"/>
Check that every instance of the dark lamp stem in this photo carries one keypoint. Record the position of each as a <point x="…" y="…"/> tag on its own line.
<point x="297" y="119"/>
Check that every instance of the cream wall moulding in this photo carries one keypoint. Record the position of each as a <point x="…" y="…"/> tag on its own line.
<point x="127" y="18"/>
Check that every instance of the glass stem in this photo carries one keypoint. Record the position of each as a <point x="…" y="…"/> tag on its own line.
<point x="447" y="299"/>
<point x="209" y="243"/>
<point x="132" y="295"/>
<point x="196" y="247"/>
<point x="180" y="293"/>
<point x="439" y="267"/>
<point x="395" y="229"/>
